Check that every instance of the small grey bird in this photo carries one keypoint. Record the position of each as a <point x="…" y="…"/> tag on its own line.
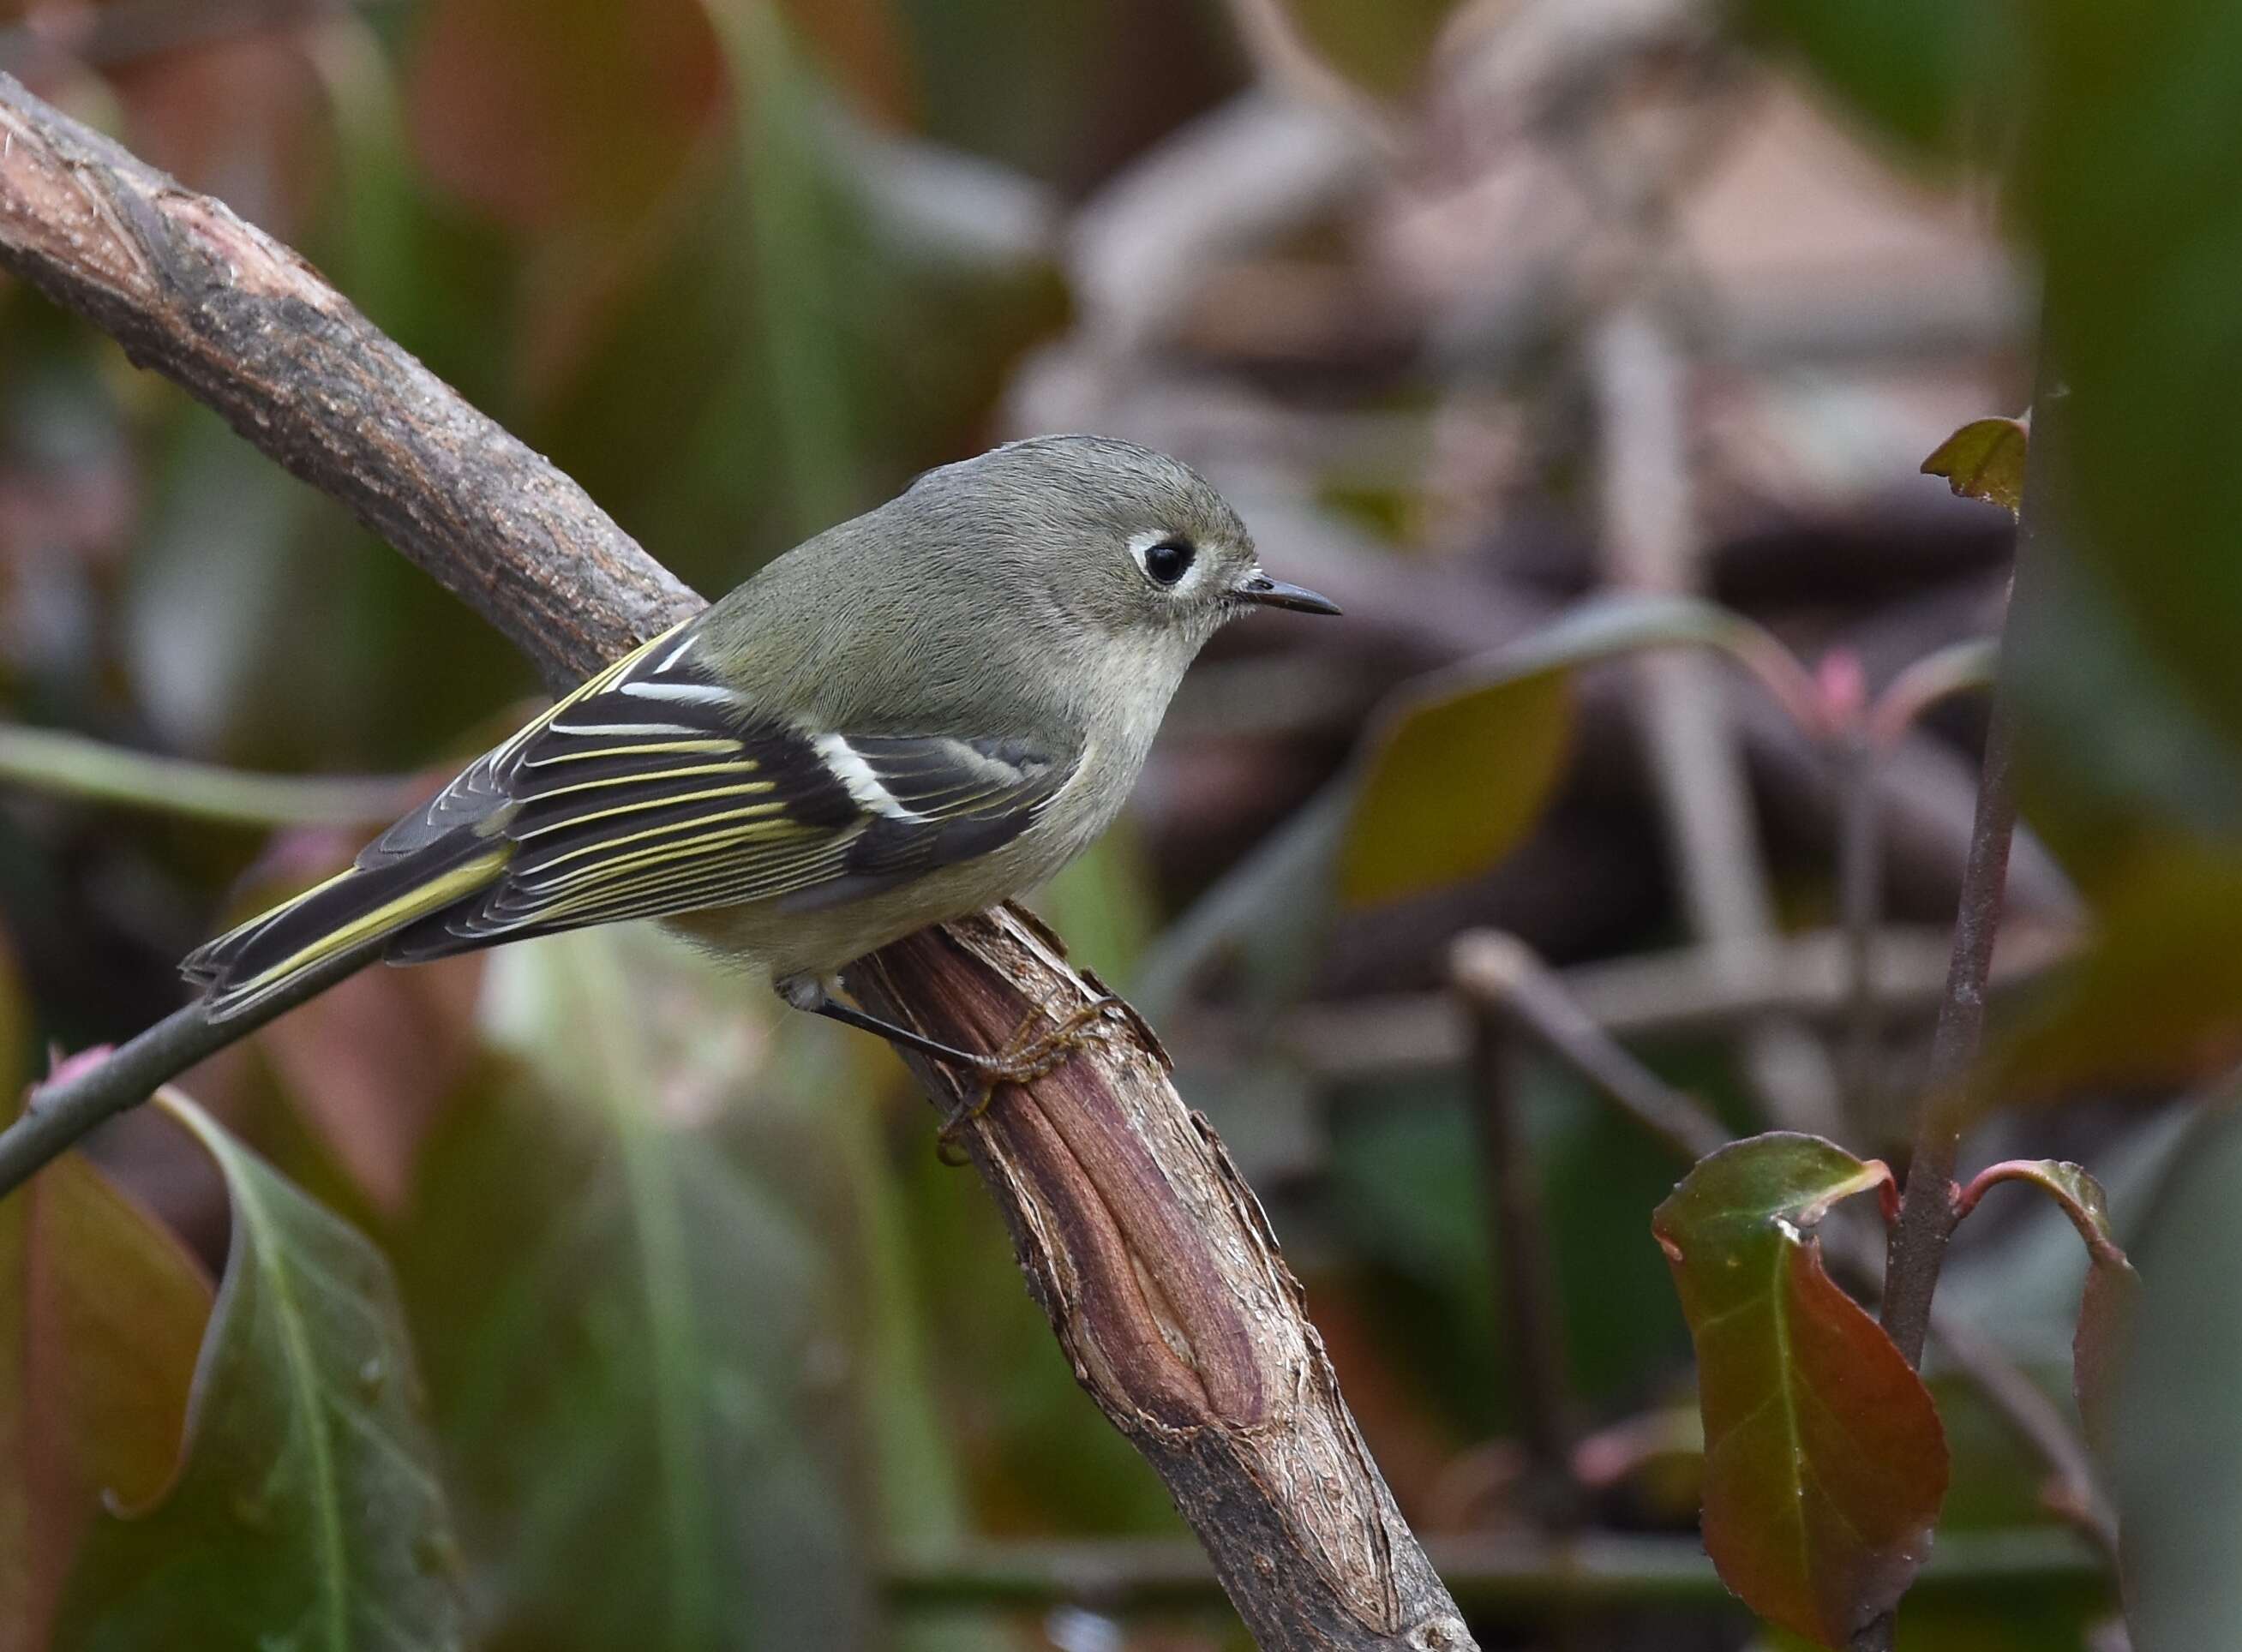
<point x="916" y="715"/>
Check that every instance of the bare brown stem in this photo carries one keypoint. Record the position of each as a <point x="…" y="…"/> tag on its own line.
<point x="1503" y="975"/>
<point x="1929" y="1208"/>
<point x="1518" y="1242"/>
<point x="1932" y="1203"/>
<point x="1859" y="899"/>
<point x="1134" y="1231"/>
<point x="1651" y="542"/>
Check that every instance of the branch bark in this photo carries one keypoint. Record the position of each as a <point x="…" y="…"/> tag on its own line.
<point x="1148" y="1254"/>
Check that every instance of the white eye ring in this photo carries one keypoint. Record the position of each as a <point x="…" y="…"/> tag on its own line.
<point x="1168" y="560"/>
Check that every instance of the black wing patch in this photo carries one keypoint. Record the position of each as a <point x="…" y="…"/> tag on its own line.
<point x="657" y="789"/>
<point x="653" y="789"/>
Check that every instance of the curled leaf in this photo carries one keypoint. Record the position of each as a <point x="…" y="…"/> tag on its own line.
<point x="1984" y="460"/>
<point x="2105" y="1306"/>
<point x="1825" y="1463"/>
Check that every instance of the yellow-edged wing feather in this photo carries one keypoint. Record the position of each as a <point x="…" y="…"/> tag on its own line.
<point x="653" y="789"/>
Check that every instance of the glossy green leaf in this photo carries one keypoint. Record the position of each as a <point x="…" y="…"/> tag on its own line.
<point x="1984" y="460"/>
<point x="305" y="1511"/>
<point x="101" y="1313"/>
<point x="639" y="1359"/>
<point x="1825" y="1463"/>
<point x="1464" y="765"/>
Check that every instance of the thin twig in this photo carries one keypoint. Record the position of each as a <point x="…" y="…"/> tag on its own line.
<point x="1519" y="1243"/>
<point x="1929" y="1206"/>
<point x="90" y="1091"/>
<point x="1649" y="995"/>
<point x="1875" y="730"/>
<point x="1860" y="902"/>
<point x="1503" y="976"/>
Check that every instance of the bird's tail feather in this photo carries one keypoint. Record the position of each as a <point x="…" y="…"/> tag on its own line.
<point x="248" y="965"/>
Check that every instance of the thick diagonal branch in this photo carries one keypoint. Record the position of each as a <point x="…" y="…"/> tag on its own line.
<point x="1134" y="1231"/>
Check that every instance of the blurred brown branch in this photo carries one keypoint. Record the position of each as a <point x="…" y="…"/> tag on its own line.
<point x="1696" y="757"/>
<point x="1150" y="1255"/>
<point x="1652" y="995"/>
<point x="1505" y="1574"/>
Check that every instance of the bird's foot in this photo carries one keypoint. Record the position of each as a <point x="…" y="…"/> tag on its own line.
<point x="1030" y="1055"/>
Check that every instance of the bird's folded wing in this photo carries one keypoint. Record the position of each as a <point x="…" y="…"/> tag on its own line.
<point x="656" y="789"/>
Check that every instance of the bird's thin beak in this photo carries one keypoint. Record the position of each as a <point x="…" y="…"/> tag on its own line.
<point x="1264" y="592"/>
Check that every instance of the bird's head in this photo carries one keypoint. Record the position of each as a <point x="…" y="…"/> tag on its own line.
<point x="1109" y="537"/>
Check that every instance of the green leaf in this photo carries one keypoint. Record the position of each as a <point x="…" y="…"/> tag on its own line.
<point x="2155" y="994"/>
<point x="101" y="1312"/>
<point x="2105" y="1306"/>
<point x="2134" y="143"/>
<point x="2176" y="1455"/>
<point x="1825" y="1463"/>
<point x="1464" y="764"/>
<point x="1924" y="71"/>
<point x="1381" y="48"/>
<point x="638" y="1352"/>
<point x="1458" y="780"/>
<point x="1984" y="460"/>
<point x="2115" y="760"/>
<point x="305" y="1511"/>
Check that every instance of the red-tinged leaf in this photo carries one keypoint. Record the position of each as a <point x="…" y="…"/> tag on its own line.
<point x="2105" y="1306"/>
<point x="1984" y="460"/>
<point x="1825" y="1463"/>
<point x="101" y="1313"/>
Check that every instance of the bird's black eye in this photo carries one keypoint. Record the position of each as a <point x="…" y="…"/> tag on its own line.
<point x="1169" y="561"/>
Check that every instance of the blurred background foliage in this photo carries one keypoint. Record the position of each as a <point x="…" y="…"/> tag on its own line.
<point x="1476" y="310"/>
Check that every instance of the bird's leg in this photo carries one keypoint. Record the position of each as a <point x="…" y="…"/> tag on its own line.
<point x="808" y="992"/>
<point x="1028" y="1056"/>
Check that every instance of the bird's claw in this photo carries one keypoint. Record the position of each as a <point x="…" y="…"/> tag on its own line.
<point x="1025" y="1059"/>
